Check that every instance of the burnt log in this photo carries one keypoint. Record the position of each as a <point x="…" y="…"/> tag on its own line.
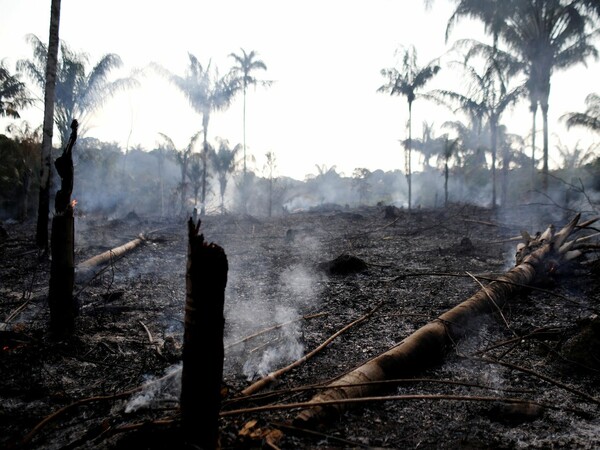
<point x="88" y="268"/>
<point x="203" y="350"/>
<point x="62" y="304"/>
<point x="536" y="259"/>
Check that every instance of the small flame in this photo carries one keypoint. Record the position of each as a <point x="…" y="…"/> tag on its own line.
<point x="73" y="203"/>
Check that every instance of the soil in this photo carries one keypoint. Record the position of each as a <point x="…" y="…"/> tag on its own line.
<point x="119" y="370"/>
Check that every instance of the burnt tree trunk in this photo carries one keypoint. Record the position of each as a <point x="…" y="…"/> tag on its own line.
<point x="427" y="346"/>
<point x="63" y="307"/>
<point x="90" y="267"/>
<point x="203" y="351"/>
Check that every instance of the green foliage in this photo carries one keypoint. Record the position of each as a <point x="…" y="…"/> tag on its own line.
<point x="20" y="164"/>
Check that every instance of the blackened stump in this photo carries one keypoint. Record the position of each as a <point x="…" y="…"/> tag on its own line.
<point x="63" y="307"/>
<point x="203" y="352"/>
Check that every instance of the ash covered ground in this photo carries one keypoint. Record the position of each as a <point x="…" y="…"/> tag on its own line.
<point x="122" y="363"/>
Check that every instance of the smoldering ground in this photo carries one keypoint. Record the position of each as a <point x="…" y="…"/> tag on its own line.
<point x="129" y="332"/>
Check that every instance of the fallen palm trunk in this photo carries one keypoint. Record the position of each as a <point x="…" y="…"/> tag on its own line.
<point x="63" y="307"/>
<point x="203" y="351"/>
<point x="89" y="267"/>
<point x="536" y="258"/>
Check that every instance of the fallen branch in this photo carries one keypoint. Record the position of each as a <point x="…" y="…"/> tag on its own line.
<point x="268" y="379"/>
<point x="542" y="377"/>
<point x="274" y="327"/>
<point x="53" y="416"/>
<point x="319" y="387"/>
<point x="426" y="346"/>
<point x="347" y="401"/>
<point x="87" y="267"/>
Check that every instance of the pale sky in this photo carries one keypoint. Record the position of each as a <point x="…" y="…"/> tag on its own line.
<point x="324" y="57"/>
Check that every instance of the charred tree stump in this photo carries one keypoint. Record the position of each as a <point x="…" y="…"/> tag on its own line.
<point x="63" y="307"/>
<point x="203" y="350"/>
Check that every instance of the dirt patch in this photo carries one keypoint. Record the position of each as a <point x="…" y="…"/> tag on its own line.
<point x="130" y="330"/>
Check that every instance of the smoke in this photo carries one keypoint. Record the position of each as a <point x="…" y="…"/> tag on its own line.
<point x="282" y="350"/>
<point x="156" y="390"/>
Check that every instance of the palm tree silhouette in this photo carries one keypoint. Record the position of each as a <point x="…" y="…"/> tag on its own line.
<point x="542" y="36"/>
<point x="207" y="92"/>
<point x="224" y="162"/>
<point x="13" y="95"/>
<point x="182" y="158"/>
<point x="407" y="82"/>
<point x="487" y="99"/>
<point x="589" y="119"/>
<point x="246" y="64"/>
<point x="79" y="93"/>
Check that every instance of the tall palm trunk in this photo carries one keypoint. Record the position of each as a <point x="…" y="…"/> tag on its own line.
<point x="545" y="164"/>
<point x="494" y="133"/>
<point x="204" y="163"/>
<point x="41" y="236"/>
<point x="408" y="166"/>
<point x="245" y="176"/>
<point x="446" y="174"/>
<point x="244" y="128"/>
<point x="533" y="109"/>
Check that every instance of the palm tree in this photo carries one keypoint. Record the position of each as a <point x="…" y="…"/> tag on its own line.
<point x="487" y="98"/>
<point x="207" y="92"/>
<point x="269" y="168"/>
<point x="183" y="159"/>
<point x="589" y="119"/>
<point x="13" y="95"/>
<point x="406" y="82"/>
<point x="51" y="61"/>
<point x="449" y="149"/>
<point x="224" y="163"/>
<point x="79" y="93"/>
<point x="493" y="14"/>
<point x="542" y="36"/>
<point x="511" y="151"/>
<point x="246" y="64"/>
<point x="195" y="167"/>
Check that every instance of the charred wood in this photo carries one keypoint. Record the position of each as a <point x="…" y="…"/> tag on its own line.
<point x="63" y="307"/>
<point x="203" y="350"/>
<point x="536" y="259"/>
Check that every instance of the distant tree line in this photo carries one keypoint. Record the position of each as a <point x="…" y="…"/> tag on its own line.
<point x="469" y="158"/>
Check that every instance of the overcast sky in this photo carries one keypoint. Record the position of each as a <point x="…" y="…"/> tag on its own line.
<point x="324" y="57"/>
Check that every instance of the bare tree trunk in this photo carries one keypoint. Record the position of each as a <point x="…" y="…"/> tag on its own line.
<point x="88" y="268"/>
<point x="533" y="109"/>
<point x="203" y="350"/>
<point x="407" y="162"/>
<point x="545" y="163"/>
<point x="63" y="307"/>
<point x="41" y="234"/>
<point x="494" y="133"/>
<point x="428" y="344"/>
<point x="446" y="174"/>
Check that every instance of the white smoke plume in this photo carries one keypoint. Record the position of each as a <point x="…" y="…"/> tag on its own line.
<point x="155" y="390"/>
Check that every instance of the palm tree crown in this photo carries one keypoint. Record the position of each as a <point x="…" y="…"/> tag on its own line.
<point x="207" y="92"/>
<point x="13" y="95"/>
<point x="407" y="82"/>
<point x="542" y="36"/>
<point x="79" y="93"/>
<point x="245" y="64"/>
<point x="590" y="118"/>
